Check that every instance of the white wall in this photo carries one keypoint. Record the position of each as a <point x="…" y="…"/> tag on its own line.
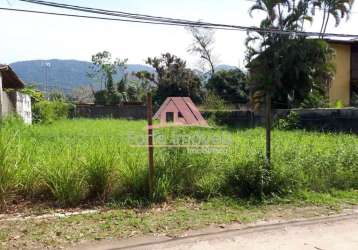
<point x="15" y="102"/>
<point x="23" y="107"/>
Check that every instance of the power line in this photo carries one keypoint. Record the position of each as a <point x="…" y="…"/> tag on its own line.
<point x="54" y="4"/>
<point x="176" y="21"/>
<point x="148" y="19"/>
<point x="105" y="12"/>
<point x="99" y="18"/>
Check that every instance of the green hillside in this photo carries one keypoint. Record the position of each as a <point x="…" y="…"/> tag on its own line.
<point x="62" y="74"/>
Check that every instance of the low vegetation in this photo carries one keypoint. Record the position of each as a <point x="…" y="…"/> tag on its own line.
<point x="50" y="111"/>
<point x="171" y="219"/>
<point x="74" y="162"/>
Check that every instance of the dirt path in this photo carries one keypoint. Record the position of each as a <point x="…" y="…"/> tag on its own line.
<point x="339" y="233"/>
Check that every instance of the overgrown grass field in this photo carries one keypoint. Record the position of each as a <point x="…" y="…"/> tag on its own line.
<point x="76" y="161"/>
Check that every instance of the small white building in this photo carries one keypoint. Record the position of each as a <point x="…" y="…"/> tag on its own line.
<point x="11" y="100"/>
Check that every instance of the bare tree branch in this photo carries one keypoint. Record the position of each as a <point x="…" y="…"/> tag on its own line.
<point x="202" y="45"/>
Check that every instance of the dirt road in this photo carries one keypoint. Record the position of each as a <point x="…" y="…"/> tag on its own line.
<point x="337" y="233"/>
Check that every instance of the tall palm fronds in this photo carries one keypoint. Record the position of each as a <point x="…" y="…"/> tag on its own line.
<point x="287" y="65"/>
<point x="338" y="9"/>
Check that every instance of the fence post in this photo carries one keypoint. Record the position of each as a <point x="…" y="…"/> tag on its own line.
<point x="150" y="144"/>
<point x="268" y="124"/>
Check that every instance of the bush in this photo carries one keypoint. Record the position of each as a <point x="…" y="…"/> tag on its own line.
<point x="213" y="102"/>
<point x="292" y="121"/>
<point x="101" y="174"/>
<point x="36" y="95"/>
<point x="103" y="97"/>
<point x="338" y="105"/>
<point x="48" y="112"/>
<point x="247" y="178"/>
<point x="65" y="180"/>
<point x="315" y="100"/>
<point x="8" y="166"/>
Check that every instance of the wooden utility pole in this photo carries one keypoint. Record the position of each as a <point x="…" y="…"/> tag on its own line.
<point x="150" y="144"/>
<point x="268" y="123"/>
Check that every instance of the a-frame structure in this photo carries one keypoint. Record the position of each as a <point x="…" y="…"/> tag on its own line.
<point x="180" y="111"/>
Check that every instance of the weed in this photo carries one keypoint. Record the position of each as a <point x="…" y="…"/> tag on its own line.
<point x="73" y="161"/>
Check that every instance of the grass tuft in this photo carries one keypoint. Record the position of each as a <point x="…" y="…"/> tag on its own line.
<point x="71" y="162"/>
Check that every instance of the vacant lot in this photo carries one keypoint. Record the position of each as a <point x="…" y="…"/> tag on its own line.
<point x="76" y="162"/>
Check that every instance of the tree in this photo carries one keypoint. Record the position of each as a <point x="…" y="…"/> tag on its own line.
<point x="143" y="83"/>
<point x="202" y="45"/>
<point x="104" y="68"/>
<point x="173" y="78"/>
<point x="338" y="9"/>
<point x="57" y="96"/>
<point x="286" y="65"/>
<point x="278" y="62"/>
<point x="230" y="85"/>
<point x="305" y="65"/>
<point x="83" y="94"/>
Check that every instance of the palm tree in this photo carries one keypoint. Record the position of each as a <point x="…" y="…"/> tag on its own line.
<point x="281" y="15"/>
<point x="338" y="9"/>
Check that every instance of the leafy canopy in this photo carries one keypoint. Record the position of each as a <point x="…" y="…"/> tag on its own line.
<point x="287" y="66"/>
<point x="173" y="78"/>
<point x="230" y="85"/>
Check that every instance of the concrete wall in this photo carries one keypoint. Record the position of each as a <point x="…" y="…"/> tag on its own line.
<point x="335" y="120"/>
<point x="23" y="107"/>
<point x="340" y="88"/>
<point x="8" y="103"/>
<point x="130" y="112"/>
<point x="15" y="102"/>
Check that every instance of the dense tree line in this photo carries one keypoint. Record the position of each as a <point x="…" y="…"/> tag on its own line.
<point x="295" y="70"/>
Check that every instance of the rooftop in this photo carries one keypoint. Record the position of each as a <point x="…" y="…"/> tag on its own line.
<point x="9" y="78"/>
<point x="342" y="41"/>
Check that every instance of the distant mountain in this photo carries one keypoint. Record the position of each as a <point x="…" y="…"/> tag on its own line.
<point x="206" y="75"/>
<point x="225" y="67"/>
<point x="63" y="74"/>
<point x="67" y="75"/>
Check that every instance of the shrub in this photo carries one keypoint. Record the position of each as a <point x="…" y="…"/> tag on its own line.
<point x="101" y="174"/>
<point x="133" y="178"/>
<point x="186" y="171"/>
<point x="103" y="97"/>
<point x="36" y="95"/>
<point x="292" y="121"/>
<point x="338" y="105"/>
<point x="65" y="180"/>
<point x="8" y="166"/>
<point x="213" y="102"/>
<point x="246" y="179"/>
<point x="48" y="112"/>
<point x="315" y="100"/>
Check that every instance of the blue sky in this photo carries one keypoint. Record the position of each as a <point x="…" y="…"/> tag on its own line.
<point x="28" y="36"/>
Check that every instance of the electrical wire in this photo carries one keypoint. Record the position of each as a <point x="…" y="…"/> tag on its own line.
<point x="148" y="19"/>
<point x="100" y="18"/>
<point x="176" y="21"/>
<point x="104" y="12"/>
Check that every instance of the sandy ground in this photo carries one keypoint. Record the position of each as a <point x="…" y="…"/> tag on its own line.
<point x="318" y="234"/>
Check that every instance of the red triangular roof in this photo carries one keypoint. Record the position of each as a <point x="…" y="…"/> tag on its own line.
<point x="186" y="107"/>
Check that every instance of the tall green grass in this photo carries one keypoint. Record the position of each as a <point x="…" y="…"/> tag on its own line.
<point x="71" y="162"/>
